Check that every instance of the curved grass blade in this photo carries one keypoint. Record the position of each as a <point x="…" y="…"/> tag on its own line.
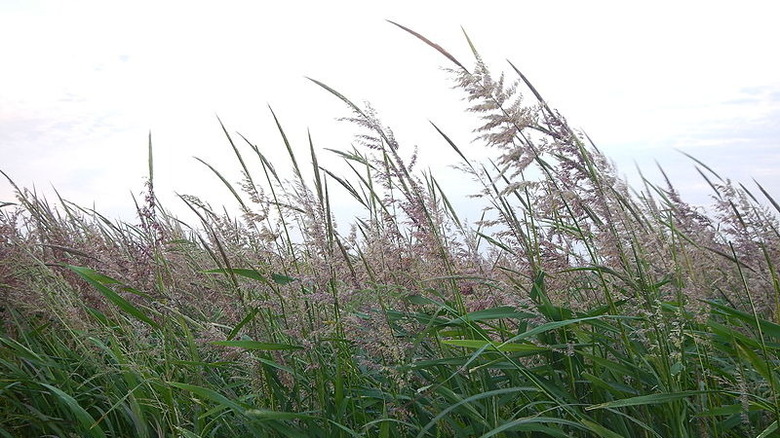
<point x="536" y="424"/>
<point x="768" y="431"/>
<point x="281" y="279"/>
<point x="767" y="327"/>
<point x="256" y="345"/>
<point x="650" y="399"/>
<point x="430" y="43"/>
<point x="211" y="395"/>
<point x="265" y="414"/>
<point x="244" y="321"/>
<point x="768" y="196"/>
<point x="85" y="420"/>
<point x="226" y="183"/>
<point x="248" y="273"/>
<point x="558" y="324"/>
<point x="602" y="431"/>
<point x="501" y="312"/>
<point x="471" y="399"/>
<point x="98" y="281"/>
<point x="492" y="345"/>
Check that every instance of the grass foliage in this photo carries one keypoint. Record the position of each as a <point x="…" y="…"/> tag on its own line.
<point x="575" y="307"/>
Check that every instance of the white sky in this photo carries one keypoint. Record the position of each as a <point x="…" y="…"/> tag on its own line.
<point x="85" y="81"/>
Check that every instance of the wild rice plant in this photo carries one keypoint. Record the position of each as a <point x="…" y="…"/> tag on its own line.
<point x="577" y="306"/>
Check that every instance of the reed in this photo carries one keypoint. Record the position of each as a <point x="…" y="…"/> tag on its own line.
<point x="577" y="306"/>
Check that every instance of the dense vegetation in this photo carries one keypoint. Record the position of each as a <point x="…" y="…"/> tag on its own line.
<point x="576" y="307"/>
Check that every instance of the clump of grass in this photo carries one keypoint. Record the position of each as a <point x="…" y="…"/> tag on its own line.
<point x="576" y="306"/>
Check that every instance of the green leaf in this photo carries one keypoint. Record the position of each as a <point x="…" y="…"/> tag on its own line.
<point x="248" y="273"/>
<point x="493" y="345"/>
<point x="614" y="387"/>
<point x="768" y="431"/>
<point x="494" y="313"/>
<point x="759" y="364"/>
<point x="558" y="324"/>
<point x="186" y="433"/>
<point x="281" y="279"/>
<point x="265" y="414"/>
<point x="719" y="411"/>
<point x="435" y="46"/>
<point x="211" y="395"/>
<point x="22" y="351"/>
<point x="98" y="281"/>
<point x="85" y="420"/>
<point x="242" y="323"/>
<point x="647" y="399"/>
<point x="534" y="424"/>
<point x="767" y="327"/>
<point x="226" y="183"/>
<point x="256" y="345"/>
<point x="600" y="430"/>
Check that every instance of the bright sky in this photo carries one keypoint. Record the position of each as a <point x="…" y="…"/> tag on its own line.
<point x="85" y="81"/>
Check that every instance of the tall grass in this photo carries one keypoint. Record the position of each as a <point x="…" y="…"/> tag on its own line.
<point x="577" y="306"/>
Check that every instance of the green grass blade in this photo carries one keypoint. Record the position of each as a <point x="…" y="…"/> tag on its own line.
<point x="494" y="345"/>
<point x="247" y="273"/>
<point x="265" y="414"/>
<point x="226" y="183"/>
<point x="600" y="430"/>
<point x="282" y="279"/>
<point x="649" y="399"/>
<point x="768" y="196"/>
<point x="453" y="146"/>
<point x="767" y="327"/>
<point x="98" y="280"/>
<point x="495" y="313"/>
<point x="244" y="321"/>
<point x="211" y="395"/>
<point x="287" y="145"/>
<point x="535" y="424"/>
<point x="471" y="399"/>
<point x="768" y="432"/>
<point x="85" y="420"/>
<point x="256" y="345"/>
<point x="546" y="327"/>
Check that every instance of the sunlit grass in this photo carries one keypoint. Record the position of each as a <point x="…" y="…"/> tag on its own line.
<point x="577" y="306"/>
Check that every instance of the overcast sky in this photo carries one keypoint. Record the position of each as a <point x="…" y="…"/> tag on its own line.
<point x="85" y="81"/>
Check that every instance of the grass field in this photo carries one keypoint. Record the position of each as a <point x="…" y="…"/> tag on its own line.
<point x="576" y="307"/>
